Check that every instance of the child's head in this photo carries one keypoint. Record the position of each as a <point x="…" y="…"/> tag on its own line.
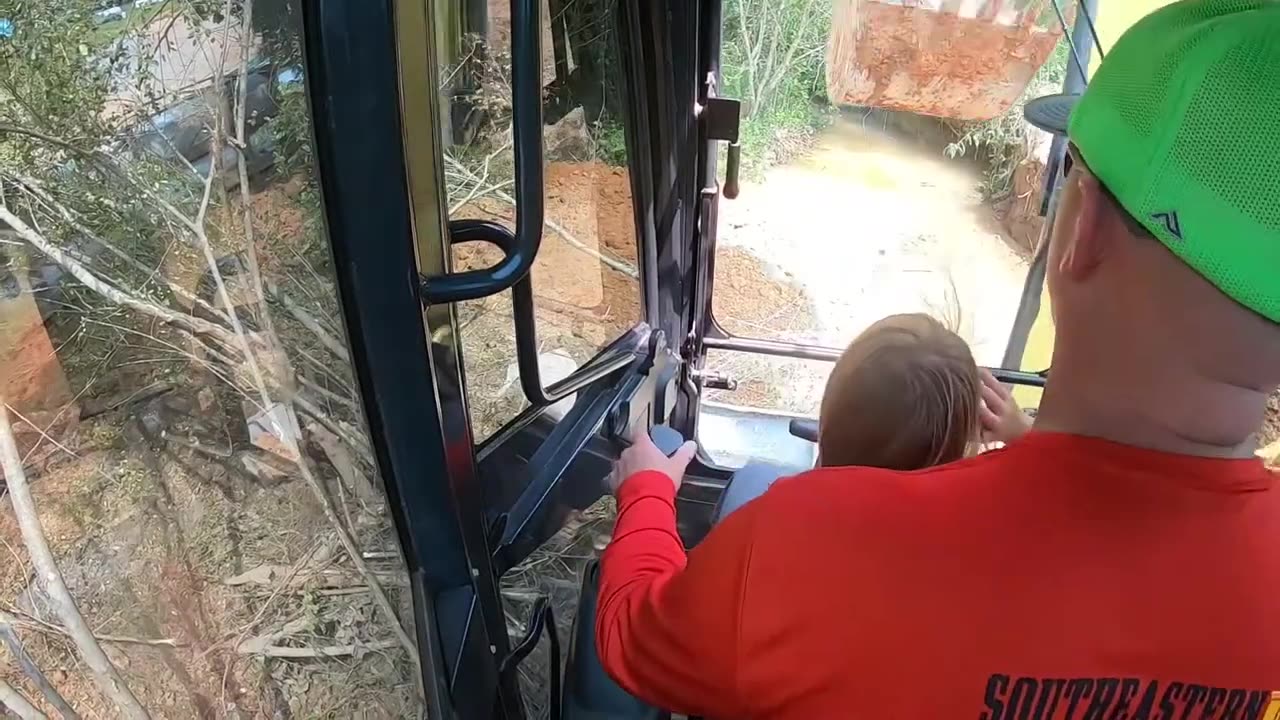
<point x="904" y="396"/>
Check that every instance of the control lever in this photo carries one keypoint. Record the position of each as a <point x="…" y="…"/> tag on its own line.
<point x="667" y="440"/>
<point x="804" y="428"/>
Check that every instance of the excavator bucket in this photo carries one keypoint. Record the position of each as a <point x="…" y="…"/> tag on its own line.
<point x="956" y="59"/>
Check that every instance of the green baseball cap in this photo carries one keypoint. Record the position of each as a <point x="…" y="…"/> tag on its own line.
<point x="1181" y="123"/>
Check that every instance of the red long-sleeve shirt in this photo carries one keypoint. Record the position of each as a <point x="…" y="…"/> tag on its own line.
<point x="1062" y="577"/>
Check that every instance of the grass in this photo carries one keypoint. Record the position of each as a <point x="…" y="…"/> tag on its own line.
<point x="778" y="124"/>
<point x="133" y="21"/>
<point x="611" y="142"/>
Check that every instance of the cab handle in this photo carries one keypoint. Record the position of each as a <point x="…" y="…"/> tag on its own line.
<point x="526" y="121"/>
<point x="618" y="356"/>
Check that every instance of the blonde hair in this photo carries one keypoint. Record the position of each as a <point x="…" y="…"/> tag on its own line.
<point x="904" y="396"/>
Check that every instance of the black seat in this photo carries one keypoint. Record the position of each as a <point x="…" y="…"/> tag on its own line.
<point x="589" y="692"/>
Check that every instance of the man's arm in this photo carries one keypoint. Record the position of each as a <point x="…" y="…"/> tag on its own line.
<point x="667" y="628"/>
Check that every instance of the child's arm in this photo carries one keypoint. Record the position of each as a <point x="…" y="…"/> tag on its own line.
<point x="1002" y="419"/>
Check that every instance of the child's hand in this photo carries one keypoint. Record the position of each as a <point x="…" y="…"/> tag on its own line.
<point x="1002" y="419"/>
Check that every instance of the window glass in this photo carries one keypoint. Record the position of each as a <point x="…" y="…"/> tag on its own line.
<point x="751" y="421"/>
<point x="872" y="187"/>
<point x="189" y="445"/>
<point x="585" y="280"/>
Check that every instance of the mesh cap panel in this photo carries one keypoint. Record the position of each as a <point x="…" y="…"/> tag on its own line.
<point x="1182" y="124"/>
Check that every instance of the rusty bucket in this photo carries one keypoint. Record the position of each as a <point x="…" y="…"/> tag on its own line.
<point x="956" y="59"/>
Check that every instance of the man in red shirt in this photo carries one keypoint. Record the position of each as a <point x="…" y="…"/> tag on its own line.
<point x="1122" y="560"/>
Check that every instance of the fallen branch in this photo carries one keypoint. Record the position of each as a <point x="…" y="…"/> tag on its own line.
<point x="332" y="651"/>
<point x="352" y="437"/>
<point x="264" y="645"/>
<point x="564" y="234"/>
<point x="342" y="461"/>
<point x="277" y="575"/>
<point x="104" y="673"/>
<point x="35" y="624"/>
<point x="20" y="705"/>
<point x="86" y="277"/>
<point x="308" y="321"/>
<point x="70" y="218"/>
<point x="328" y="394"/>
<point x="9" y="634"/>
<point x="258" y="643"/>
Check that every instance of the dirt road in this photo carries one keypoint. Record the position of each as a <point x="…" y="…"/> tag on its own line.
<point x="872" y="221"/>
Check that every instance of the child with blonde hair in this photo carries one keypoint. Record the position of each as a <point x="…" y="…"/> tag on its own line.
<point x="907" y="394"/>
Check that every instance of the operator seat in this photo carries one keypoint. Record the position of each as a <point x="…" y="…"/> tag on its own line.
<point x="749" y="483"/>
<point x="589" y="692"/>
<point x="754" y="478"/>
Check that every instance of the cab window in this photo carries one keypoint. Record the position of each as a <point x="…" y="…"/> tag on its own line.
<point x="181" y="429"/>
<point x="585" y="281"/>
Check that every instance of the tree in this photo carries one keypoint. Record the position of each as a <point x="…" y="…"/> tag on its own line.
<point x="97" y="183"/>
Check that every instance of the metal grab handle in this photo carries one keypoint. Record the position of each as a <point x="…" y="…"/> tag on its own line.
<point x="526" y="329"/>
<point x="526" y="122"/>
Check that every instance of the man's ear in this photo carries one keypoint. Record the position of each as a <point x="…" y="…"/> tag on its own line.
<point x="1089" y="229"/>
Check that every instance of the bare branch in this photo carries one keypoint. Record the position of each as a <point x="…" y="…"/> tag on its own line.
<point x="13" y="700"/>
<point x="349" y="545"/>
<point x="114" y="294"/>
<point x="242" y="142"/>
<point x="107" y="164"/>
<point x="102" y="670"/>
<point x="328" y="394"/>
<point x="352" y="437"/>
<point x="45" y="627"/>
<point x="331" y="651"/>
<point x="9" y="634"/>
<point x="568" y="237"/>
<point x="70" y="217"/>
<point x="308" y="321"/>
<point x="342" y="461"/>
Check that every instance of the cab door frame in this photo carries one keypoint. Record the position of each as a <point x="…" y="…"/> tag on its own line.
<point x="464" y="515"/>
<point x="408" y="373"/>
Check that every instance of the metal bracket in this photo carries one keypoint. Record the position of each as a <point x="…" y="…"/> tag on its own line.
<point x="541" y="618"/>
<point x="712" y="380"/>
<point x="722" y="117"/>
<point x="722" y="120"/>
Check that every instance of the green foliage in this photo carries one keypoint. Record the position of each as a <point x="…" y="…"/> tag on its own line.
<point x="50" y="78"/>
<point x="611" y="142"/>
<point x="1001" y="142"/>
<point x="292" y="131"/>
<point x="773" y="60"/>
<point x="278" y="24"/>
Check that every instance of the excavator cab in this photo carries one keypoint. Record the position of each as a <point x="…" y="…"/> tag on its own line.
<point x="496" y="311"/>
<point x="471" y="510"/>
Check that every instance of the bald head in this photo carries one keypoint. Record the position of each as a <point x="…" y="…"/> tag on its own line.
<point x="1147" y="351"/>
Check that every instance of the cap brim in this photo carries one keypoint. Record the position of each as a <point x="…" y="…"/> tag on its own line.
<point x="1051" y="113"/>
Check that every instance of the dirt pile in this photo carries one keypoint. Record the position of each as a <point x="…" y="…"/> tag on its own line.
<point x="1019" y="213"/>
<point x="32" y="382"/>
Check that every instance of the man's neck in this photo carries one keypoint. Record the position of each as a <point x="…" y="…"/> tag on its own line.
<point x="1189" y="416"/>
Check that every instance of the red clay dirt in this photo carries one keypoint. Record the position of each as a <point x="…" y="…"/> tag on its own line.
<point x="592" y="203"/>
<point x="1019" y="213"/>
<point x="32" y="382"/>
